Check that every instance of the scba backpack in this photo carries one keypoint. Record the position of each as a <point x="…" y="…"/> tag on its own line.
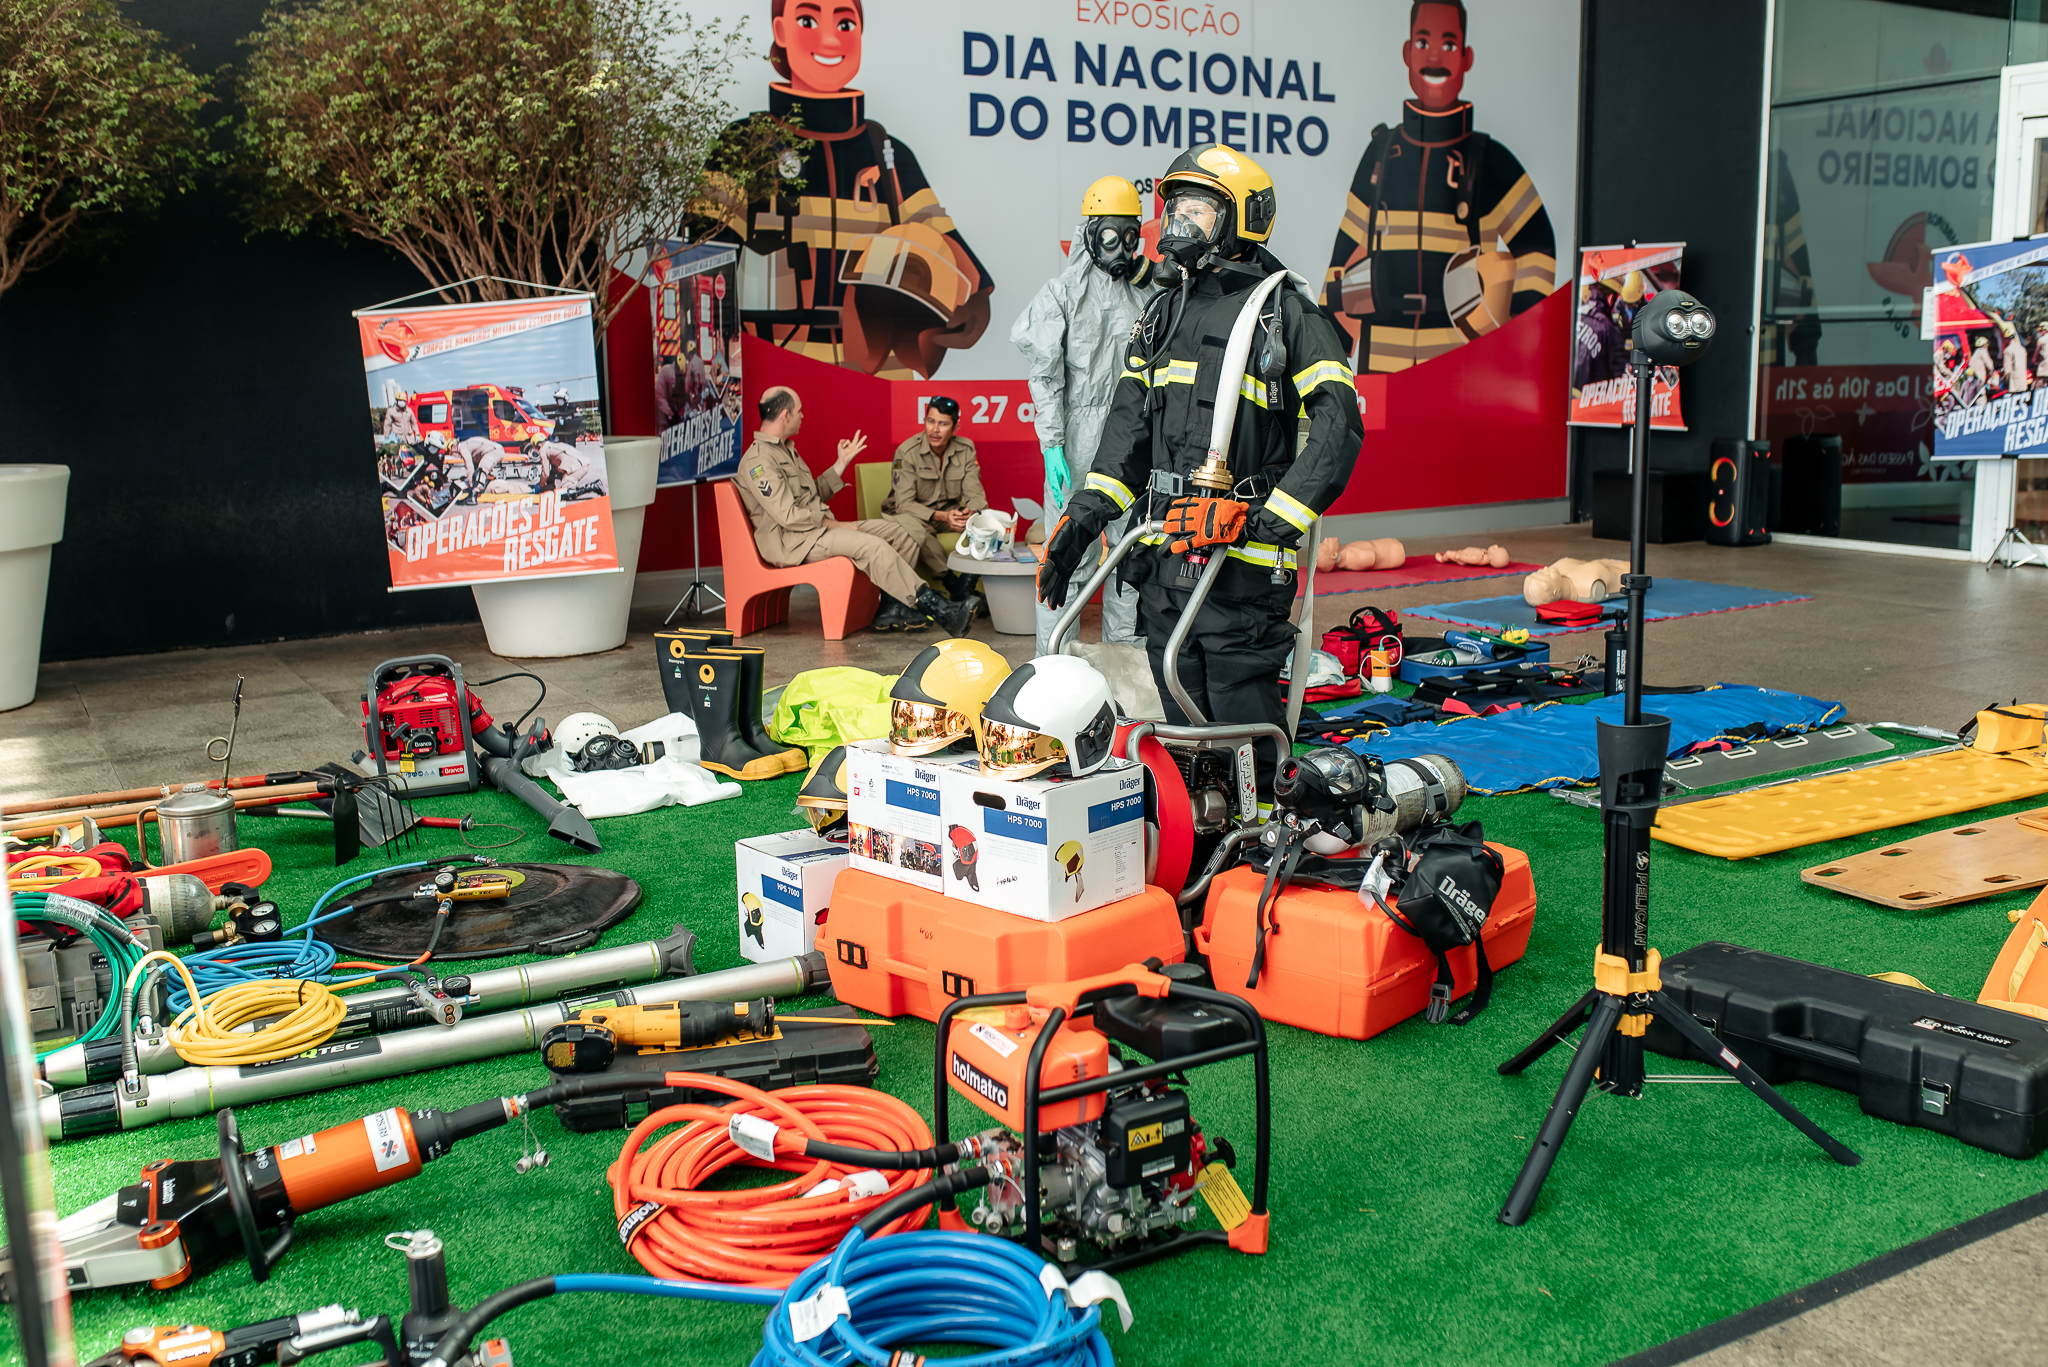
<point x="1443" y="892"/>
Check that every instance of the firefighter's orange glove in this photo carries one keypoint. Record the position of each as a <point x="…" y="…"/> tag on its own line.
<point x="1196" y="522"/>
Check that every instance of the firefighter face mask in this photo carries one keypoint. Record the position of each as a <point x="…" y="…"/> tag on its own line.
<point x="1194" y="223"/>
<point x="1113" y="245"/>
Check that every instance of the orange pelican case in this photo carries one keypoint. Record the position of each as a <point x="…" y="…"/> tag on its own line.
<point x="900" y="950"/>
<point x="1339" y="967"/>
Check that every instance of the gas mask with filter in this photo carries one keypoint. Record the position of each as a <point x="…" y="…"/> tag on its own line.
<point x="1115" y="246"/>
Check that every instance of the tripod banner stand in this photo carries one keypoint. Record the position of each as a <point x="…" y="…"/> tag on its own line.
<point x="1671" y="330"/>
<point x="695" y="294"/>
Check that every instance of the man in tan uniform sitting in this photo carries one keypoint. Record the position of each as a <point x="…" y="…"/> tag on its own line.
<point x="935" y="486"/>
<point x="792" y="525"/>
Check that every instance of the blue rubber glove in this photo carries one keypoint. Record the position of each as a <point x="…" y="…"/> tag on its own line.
<point x="1058" y="476"/>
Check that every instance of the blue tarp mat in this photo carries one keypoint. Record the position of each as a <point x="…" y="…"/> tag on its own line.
<point x="1553" y="745"/>
<point x="1667" y="598"/>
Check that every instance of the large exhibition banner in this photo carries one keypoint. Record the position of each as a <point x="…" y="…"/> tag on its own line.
<point x="1613" y="286"/>
<point x="490" y="459"/>
<point x="939" y="156"/>
<point x="1991" y="342"/>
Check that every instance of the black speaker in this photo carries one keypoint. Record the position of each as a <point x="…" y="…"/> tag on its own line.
<point x="1740" y="490"/>
<point x="1813" y="484"/>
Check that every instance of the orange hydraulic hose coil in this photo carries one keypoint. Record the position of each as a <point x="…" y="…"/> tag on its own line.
<point x="766" y="1235"/>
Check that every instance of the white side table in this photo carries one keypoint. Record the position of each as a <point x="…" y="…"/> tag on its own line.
<point x="1011" y="585"/>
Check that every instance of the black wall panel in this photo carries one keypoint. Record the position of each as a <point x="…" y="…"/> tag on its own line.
<point x="205" y="388"/>
<point x="1671" y="128"/>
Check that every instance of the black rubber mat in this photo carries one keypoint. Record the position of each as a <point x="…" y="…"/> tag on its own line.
<point x="560" y="908"/>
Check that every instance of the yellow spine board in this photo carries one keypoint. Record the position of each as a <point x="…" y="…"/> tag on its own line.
<point x="1834" y="806"/>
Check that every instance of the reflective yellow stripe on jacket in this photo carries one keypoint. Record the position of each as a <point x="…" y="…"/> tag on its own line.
<point x="1103" y="484"/>
<point x="1291" y="510"/>
<point x="1324" y="372"/>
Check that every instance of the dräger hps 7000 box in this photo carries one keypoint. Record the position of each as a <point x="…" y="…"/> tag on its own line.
<point x="1043" y="848"/>
<point x="892" y="813"/>
<point x="785" y="884"/>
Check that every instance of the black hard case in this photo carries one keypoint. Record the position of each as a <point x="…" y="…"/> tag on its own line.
<point x="1916" y="1058"/>
<point x="842" y="1054"/>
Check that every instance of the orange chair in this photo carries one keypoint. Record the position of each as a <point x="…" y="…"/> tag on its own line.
<point x="757" y="593"/>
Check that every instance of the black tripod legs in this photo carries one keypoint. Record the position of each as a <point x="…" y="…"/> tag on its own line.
<point x="1722" y="1057"/>
<point x="1578" y="1079"/>
<point x="1565" y="1106"/>
<point x="1557" y="1034"/>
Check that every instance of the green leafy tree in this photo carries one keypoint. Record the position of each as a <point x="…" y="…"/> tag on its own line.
<point x="95" y="117"/>
<point x="537" y="140"/>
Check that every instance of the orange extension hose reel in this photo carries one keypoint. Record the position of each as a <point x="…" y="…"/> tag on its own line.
<point x="759" y="1236"/>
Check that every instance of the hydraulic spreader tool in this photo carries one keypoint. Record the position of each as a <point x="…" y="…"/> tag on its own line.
<point x="184" y="1215"/>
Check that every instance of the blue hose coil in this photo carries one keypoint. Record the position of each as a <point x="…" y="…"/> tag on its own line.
<point x="308" y="958"/>
<point x="937" y="1287"/>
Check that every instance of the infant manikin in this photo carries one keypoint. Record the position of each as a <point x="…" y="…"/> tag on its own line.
<point x="1495" y="556"/>
<point x="1384" y="554"/>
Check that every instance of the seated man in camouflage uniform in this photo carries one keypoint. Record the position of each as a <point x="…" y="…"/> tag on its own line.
<point x="792" y="525"/>
<point x="935" y="486"/>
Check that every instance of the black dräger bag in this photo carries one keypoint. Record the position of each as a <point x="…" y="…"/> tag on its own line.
<point x="1444" y="892"/>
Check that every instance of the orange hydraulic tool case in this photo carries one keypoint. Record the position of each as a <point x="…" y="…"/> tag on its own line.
<point x="1335" y="965"/>
<point x="899" y="950"/>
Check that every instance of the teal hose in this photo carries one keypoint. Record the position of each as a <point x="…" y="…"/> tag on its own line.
<point x="121" y="956"/>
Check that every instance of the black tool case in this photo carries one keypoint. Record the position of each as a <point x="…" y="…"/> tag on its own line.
<point x="843" y="1054"/>
<point x="1916" y="1058"/>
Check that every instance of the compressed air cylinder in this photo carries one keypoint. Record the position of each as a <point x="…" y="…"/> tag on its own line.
<point x="1422" y="787"/>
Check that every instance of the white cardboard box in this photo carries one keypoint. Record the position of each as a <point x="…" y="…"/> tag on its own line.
<point x="1043" y="848"/>
<point x="785" y="885"/>
<point x="892" y="813"/>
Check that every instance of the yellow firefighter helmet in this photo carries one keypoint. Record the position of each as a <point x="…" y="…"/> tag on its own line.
<point x="1111" y="197"/>
<point x="938" y="699"/>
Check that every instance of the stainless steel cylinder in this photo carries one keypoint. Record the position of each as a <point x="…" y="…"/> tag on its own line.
<point x="195" y="824"/>
<point x="197" y="1091"/>
<point x="387" y="1009"/>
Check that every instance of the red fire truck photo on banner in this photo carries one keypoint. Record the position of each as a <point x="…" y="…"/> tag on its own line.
<point x="1614" y="283"/>
<point x="490" y="455"/>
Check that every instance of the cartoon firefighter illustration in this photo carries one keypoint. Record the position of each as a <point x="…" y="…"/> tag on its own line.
<point x="861" y="266"/>
<point x="1444" y="236"/>
<point x="966" y="858"/>
<point x="1069" y="857"/>
<point x="751" y="922"/>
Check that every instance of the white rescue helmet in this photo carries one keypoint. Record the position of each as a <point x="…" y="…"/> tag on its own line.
<point x="1052" y="716"/>
<point x="577" y="729"/>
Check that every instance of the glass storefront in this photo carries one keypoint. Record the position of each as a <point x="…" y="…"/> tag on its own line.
<point x="1883" y="138"/>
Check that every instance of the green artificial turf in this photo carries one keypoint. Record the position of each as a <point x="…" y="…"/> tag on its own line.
<point x="1391" y="1156"/>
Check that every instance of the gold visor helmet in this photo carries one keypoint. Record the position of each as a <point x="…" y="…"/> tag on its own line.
<point x="1052" y="717"/>
<point x="937" y="701"/>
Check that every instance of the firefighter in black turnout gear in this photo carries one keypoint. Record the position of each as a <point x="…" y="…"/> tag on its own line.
<point x="1296" y="436"/>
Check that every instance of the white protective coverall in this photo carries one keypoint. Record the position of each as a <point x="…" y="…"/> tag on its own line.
<point x="1074" y="332"/>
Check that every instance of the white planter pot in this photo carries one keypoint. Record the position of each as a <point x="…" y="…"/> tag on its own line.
<point x="584" y="613"/>
<point x="31" y="521"/>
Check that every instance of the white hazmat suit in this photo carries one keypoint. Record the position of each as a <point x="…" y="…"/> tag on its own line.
<point x="1074" y="332"/>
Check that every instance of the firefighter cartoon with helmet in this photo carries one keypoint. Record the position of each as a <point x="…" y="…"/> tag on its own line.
<point x="1294" y="436"/>
<point x="1073" y="334"/>
<point x="1444" y="236"/>
<point x="860" y="266"/>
